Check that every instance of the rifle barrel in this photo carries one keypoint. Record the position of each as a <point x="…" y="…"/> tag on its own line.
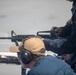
<point x="5" y="37"/>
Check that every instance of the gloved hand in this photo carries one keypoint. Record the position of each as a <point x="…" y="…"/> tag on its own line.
<point x="56" y="30"/>
<point x="69" y="22"/>
<point x="66" y="57"/>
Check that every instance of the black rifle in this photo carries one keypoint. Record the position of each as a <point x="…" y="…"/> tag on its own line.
<point x="18" y="38"/>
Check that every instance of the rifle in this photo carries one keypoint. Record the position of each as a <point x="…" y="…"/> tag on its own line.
<point x="18" y="38"/>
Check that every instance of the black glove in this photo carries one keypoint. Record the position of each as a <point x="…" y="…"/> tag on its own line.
<point x="57" y="31"/>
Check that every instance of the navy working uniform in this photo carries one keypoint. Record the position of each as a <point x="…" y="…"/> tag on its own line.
<point x="50" y="65"/>
<point x="66" y="44"/>
<point x="32" y="55"/>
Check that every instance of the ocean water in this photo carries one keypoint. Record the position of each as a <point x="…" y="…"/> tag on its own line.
<point x="10" y="69"/>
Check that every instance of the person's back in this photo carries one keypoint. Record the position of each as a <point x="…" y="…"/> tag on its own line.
<point x="50" y="65"/>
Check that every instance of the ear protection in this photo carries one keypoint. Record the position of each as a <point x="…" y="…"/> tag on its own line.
<point x="25" y="55"/>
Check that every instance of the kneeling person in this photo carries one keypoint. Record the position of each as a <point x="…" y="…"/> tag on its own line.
<point x="32" y="55"/>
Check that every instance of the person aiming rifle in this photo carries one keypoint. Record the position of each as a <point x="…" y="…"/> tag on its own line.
<point x="66" y="43"/>
<point x="32" y="55"/>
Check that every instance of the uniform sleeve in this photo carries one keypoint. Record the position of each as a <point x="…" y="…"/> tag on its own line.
<point x="69" y="72"/>
<point x="68" y="46"/>
<point x="66" y="30"/>
<point x="66" y="70"/>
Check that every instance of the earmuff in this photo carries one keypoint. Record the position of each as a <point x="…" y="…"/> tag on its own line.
<point x="25" y="55"/>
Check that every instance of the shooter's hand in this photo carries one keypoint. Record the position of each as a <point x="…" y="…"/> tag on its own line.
<point x="57" y="30"/>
